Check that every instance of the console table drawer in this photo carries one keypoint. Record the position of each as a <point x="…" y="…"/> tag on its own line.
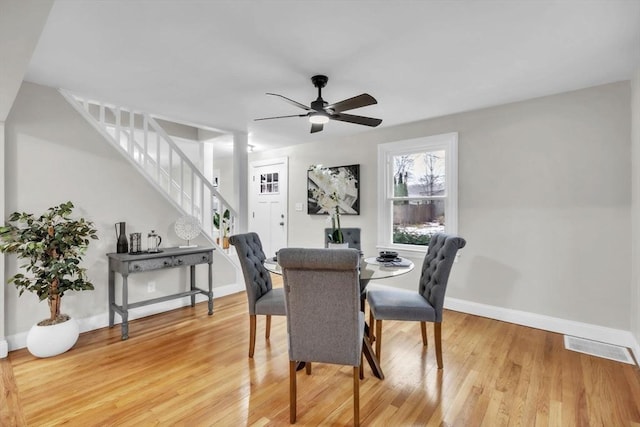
<point x="192" y="259"/>
<point x="169" y="262"/>
<point x="151" y="264"/>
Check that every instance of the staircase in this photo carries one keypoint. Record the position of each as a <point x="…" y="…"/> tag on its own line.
<point x="156" y="156"/>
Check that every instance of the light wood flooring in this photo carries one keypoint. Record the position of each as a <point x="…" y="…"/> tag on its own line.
<point x="186" y="368"/>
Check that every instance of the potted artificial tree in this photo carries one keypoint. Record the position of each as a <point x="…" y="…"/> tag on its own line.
<point x="52" y="246"/>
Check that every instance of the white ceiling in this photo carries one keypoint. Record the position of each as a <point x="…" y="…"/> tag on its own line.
<point x="211" y="62"/>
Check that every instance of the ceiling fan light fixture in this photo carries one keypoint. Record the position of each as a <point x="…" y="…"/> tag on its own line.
<point x="321" y="112"/>
<point x="318" y="118"/>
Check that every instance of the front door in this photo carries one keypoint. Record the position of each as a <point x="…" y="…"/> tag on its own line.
<point x="268" y="180"/>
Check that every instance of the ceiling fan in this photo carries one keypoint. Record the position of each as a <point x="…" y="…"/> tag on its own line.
<point x="321" y="112"/>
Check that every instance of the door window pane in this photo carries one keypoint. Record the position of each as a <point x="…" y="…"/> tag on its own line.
<point x="269" y="183"/>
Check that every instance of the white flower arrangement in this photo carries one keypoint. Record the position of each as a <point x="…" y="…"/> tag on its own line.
<point x="332" y="187"/>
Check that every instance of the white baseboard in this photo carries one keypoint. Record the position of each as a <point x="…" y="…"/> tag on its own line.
<point x="554" y="324"/>
<point x="86" y="324"/>
<point x="4" y="349"/>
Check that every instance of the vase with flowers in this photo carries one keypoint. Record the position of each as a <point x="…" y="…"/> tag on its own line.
<point x="330" y="191"/>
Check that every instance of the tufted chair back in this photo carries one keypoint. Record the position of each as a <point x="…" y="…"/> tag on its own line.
<point x="436" y="268"/>
<point x="351" y="236"/>
<point x="322" y="296"/>
<point x="256" y="277"/>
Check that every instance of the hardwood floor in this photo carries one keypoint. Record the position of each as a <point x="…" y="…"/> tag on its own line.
<point x="186" y="368"/>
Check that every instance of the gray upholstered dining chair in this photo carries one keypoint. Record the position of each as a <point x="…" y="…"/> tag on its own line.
<point x="351" y="236"/>
<point x="423" y="306"/>
<point x="324" y="321"/>
<point x="263" y="299"/>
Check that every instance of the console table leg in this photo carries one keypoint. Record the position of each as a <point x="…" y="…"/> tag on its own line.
<point x="210" y="288"/>
<point x="112" y="297"/>
<point x="192" y="278"/>
<point x="125" y="308"/>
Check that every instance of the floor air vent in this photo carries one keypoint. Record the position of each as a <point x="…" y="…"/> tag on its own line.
<point x="595" y="348"/>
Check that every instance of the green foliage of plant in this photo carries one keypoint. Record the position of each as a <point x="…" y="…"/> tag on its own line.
<point x="336" y="235"/>
<point x="226" y="216"/>
<point x="53" y="246"/>
<point x="409" y="238"/>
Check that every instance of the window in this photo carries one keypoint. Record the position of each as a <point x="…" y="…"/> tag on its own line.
<point x="418" y="191"/>
<point x="269" y="183"/>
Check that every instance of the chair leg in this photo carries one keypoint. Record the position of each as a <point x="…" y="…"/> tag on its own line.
<point x="378" y="338"/>
<point x="361" y="366"/>
<point x="370" y="325"/>
<point x="438" y="337"/>
<point x="252" y="334"/>
<point x="423" y="326"/>
<point x="307" y="367"/>
<point x="292" y="391"/>
<point x="267" y="331"/>
<point x="356" y="396"/>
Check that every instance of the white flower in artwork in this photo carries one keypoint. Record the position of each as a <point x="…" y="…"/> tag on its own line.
<point x="335" y="191"/>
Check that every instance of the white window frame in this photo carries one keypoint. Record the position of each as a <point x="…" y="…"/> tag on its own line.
<point x="447" y="142"/>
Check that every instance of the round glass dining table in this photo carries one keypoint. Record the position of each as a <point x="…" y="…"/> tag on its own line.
<point x="370" y="269"/>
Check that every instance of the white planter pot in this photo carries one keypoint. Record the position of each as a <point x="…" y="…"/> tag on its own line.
<point x="47" y="341"/>
<point x="338" y="245"/>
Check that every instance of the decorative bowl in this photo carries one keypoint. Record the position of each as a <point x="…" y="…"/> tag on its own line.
<point x="388" y="255"/>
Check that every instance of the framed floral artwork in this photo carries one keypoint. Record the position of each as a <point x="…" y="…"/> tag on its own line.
<point x="328" y="187"/>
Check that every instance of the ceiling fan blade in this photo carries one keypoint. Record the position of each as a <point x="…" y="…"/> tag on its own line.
<point x="316" y="127"/>
<point x="351" y="103"/>
<point x="292" y="102"/>
<point x="359" y="120"/>
<point x="282" y="117"/>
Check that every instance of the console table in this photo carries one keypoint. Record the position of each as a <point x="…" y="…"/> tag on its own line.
<point x="125" y="264"/>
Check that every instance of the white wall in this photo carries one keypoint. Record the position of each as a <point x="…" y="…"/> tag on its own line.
<point x="3" y="342"/>
<point x="21" y="23"/>
<point x="544" y="200"/>
<point x="635" y="211"/>
<point x="53" y="155"/>
<point x="20" y="26"/>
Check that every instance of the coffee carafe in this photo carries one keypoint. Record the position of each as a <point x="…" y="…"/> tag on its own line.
<point x="122" y="247"/>
<point x="153" y="242"/>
